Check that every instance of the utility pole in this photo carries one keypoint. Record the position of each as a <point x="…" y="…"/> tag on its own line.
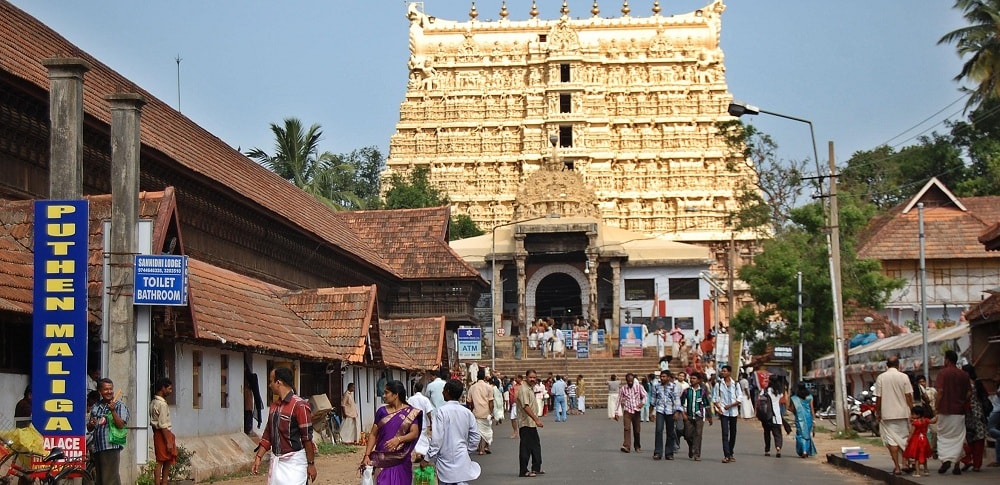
<point x="799" y="297"/>
<point x="840" y="379"/>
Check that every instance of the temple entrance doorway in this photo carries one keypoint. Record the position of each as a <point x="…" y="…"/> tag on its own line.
<point x="558" y="296"/>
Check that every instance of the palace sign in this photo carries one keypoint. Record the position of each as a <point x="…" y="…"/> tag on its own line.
<point x="59" y="353"/>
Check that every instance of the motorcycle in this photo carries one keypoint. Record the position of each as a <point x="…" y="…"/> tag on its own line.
<point x="862" y="411"/>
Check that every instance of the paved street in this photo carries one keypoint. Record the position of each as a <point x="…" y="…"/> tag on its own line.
<point x="585" y="449"/>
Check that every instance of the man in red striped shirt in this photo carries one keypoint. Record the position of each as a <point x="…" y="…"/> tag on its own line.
<point x="288" y="434"/>
<point x="631" y="397"/>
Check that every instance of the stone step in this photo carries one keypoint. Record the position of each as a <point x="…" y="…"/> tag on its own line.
<point x="595" y="370"/>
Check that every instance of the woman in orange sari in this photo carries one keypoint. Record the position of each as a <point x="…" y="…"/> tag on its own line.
<point x="396" y="430"/>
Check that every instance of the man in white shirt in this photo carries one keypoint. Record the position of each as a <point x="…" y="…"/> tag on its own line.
<point x="453" y="436"/>
<point x="424" y="404"/>
<point x="435" y="388"/>
<point x="727" y="398"/>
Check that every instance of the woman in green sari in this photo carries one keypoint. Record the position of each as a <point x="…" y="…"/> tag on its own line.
<point x="803" y="404"/>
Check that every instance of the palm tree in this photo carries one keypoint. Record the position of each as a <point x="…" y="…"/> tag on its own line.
<point x="979" y="42"/>
<point x="295" y="152"/>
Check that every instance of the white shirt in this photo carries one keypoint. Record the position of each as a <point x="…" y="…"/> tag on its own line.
<point x="726" y="394"/>
<point x="421" y="402"/>
<point x="453" y="436"/>
<point x="435" y="392"/>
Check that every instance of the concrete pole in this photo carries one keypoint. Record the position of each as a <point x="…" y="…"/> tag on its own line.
<point x="924" y="323"/>
<point x="125" y="145"/>
<point x="66" y="126"/>
<point x="799" y="298"/>
<point x="840" y="379"/>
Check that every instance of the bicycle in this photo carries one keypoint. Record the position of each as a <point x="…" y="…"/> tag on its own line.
<point x="52" y="474"/>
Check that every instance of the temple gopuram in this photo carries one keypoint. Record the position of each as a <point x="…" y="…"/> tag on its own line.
<point x="608" y="120"/>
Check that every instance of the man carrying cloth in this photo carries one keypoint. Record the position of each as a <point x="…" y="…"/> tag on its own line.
<point x="288" y="434"/>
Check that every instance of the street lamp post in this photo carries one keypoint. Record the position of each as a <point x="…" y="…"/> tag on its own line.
<point x="738" y="109"/>
<point x="496" y="289"/>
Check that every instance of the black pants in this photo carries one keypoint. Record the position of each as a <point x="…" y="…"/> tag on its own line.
<point x="530" y="448"/>
<point x="728" y="435"/>
<point x="771" y="429"/>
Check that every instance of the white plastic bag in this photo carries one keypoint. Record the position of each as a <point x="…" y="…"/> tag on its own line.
<point x="366" y="476"/>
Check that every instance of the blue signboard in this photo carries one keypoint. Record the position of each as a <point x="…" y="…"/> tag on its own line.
<point x="161" y="280"/>
<point x="59" y="333"/>
<point x="470" y="341"/>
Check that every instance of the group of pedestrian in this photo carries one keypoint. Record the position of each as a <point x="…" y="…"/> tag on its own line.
<point x="956" y="413"/>
<point x="681" y="404"/>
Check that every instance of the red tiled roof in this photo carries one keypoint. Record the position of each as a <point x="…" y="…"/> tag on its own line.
<point x="951" y="233"/>
<point x="235" y="308"/>
<point x="412" y="241"/>
<point x="17" y="247"/>
<point x="24" y="42"/>
<point x="340" y="316"/>
<point x="420" y="339"/>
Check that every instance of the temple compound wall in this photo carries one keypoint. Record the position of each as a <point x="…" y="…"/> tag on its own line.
<point x="630" y="103"/>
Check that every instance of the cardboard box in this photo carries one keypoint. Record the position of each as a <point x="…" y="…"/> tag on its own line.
<point x="320" y="402"/>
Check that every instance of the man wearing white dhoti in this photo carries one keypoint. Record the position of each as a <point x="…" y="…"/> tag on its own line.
<point x="954" y="390"/>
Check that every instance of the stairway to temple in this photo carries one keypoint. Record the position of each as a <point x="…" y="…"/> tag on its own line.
<point x="595" y="370"/>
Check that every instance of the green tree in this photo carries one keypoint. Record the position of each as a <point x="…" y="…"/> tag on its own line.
<point x="802" y="247"/>
<point x="415" y="190"/>
<point x="295" y="153"/>
<point x="367" y="165"/>
<point x="979" y="44"/>
<point x="979" y="139"/>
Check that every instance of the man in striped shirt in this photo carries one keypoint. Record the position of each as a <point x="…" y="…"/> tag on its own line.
<point x="631" y="397"/>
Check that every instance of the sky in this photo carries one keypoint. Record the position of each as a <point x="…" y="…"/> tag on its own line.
<point x="864" y="72"/>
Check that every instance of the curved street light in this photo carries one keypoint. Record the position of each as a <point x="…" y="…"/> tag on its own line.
<point x="738" y="109"/>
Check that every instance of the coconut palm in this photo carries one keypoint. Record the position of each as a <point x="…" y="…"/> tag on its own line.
<point x="295" y="152"/>
<point x="979" y="45"/>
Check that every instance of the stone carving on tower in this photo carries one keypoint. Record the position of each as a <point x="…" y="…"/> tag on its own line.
<point x="633" y="102"/>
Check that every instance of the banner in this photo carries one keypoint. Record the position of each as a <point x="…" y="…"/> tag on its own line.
<point x="59" y="333"/>
<point x="630" y="340"/>
<point x="581" y="341"/>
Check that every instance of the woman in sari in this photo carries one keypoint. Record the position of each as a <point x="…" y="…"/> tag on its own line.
<point x="396" y="430"/>
<point x="802" y="402"/>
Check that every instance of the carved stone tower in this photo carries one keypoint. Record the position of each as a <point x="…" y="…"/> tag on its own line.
<point x="630" y="103"/>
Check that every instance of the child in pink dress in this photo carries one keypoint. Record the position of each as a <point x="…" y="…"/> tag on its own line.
<point x="918" y="448"/>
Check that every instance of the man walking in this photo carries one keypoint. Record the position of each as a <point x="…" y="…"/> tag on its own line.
<point x="528" y="409"/>
<point x="631" y="397"/>
<point x="727" y="398"/>
<point x="895" y="400"/>
<point x="107" y="412"/>
<point x="581" y="395"/>
<point x="954" y="390"/>
<point x="288" y="435"/>
<point x="436" y="387"/>
<point x="454" y="436"/>
<point x="164" y="442"/>
<point x="421" y="402"/>
<point x="666" y="403"/>
<point x="559" y="398"/>
<point x="481" y="395"/>
<point x="696" y="409"/>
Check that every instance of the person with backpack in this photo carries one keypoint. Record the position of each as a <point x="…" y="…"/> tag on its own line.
<point x="769" y="413"/>
<point x="726" y="398"/>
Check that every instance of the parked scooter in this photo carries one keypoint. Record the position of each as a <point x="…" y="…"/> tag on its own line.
<point x="863" y="417"/>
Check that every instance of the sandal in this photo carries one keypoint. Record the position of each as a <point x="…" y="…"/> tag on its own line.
<point x="625" y="450"/>
<point x="529" y="475"/>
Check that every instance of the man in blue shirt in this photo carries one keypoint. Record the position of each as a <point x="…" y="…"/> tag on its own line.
<point x="666" y="402"/>
<point x="109" y="410"/>
<point x="559" y="398"/>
